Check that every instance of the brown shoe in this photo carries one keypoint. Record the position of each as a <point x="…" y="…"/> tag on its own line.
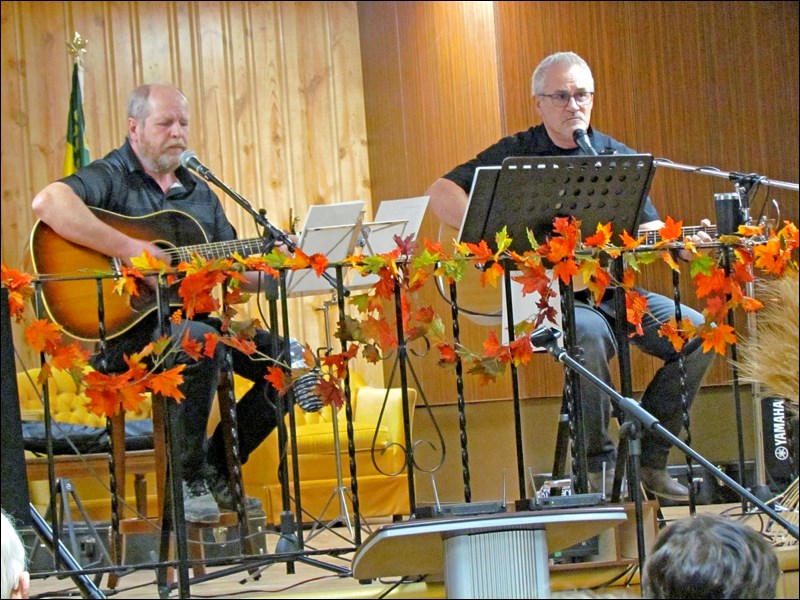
<point x="659" y="483"/>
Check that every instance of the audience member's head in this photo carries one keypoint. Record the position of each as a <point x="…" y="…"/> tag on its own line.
<point x="709" y="556"/>
<point x="15" y="579"/>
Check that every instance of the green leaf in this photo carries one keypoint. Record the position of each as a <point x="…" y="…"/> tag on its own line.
<point x="701" y="263"/>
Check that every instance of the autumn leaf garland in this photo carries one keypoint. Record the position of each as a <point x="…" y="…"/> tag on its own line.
<point x="406" y="270"/>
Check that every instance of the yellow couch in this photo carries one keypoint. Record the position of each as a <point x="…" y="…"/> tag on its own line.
<point x="379" y="495"/>
<point x="89" y="474"/>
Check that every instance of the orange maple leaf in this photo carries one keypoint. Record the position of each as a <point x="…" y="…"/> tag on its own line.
<point x="601" y="237"/>
<point x="521" y="350"/>
<point x="493" y="349"/>
<point x="751" y="304"/>
<point x="671" y="230"/>
<point x="629" y="242"/>
<point x="492" y="274"/>
<point x="319" y="262"/>
<point x="69" y="356"/>
<point x="242" y="345"/>
<point x="565" y="270"/>
<point x="717" y="338"/>
<point x="210" y="345"/>
<point x="277" y="377"/>
<point x="43" y="335"/>
<point x="166" y="383"/>
<point x="713" y="283"/>
<point x="636" y="307"/>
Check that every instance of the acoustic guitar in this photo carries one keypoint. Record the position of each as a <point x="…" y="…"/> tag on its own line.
<point x="483" y="305"/>
<point x="70" y="274"/>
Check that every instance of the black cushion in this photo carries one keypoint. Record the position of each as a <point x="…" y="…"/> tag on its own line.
<point x="69" y="438"/>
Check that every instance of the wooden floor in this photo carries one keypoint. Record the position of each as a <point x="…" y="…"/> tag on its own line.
<point x="319" y="575"/>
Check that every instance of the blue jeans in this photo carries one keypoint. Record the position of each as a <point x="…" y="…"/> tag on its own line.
<point x="256" y="412"/>
<point x="594" y="329"/>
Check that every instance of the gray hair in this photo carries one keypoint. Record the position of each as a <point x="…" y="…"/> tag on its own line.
<point x="13" y="556"/>
<point x="139" y="101"/>
<point x="559" y="59"/>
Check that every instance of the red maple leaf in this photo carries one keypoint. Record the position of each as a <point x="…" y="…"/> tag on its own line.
<point x="533" y="279"/>
<point x="191" y="346"/>
<point x="330" y="393"/>
<point x="447" y="354"/>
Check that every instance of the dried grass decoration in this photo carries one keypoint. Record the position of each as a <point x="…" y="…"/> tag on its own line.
<point x="770" y="357"/>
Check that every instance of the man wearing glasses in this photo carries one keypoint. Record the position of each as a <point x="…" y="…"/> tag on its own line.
<point x="563" y="90"/>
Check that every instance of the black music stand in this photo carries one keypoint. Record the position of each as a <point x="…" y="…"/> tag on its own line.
<point x="526" y="194"/>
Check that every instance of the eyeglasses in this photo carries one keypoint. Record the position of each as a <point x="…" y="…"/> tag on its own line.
<point x="561" y="99"/>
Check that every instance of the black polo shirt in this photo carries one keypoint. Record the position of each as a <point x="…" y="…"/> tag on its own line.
<point x="118" y="183"/>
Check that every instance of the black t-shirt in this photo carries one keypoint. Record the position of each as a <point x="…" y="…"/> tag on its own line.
<point x="536" y="142"/>
<point x="118" y="183"/>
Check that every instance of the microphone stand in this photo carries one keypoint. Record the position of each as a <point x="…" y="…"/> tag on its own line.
<point x="275" y="232"/>
<point x="547" y="337"/>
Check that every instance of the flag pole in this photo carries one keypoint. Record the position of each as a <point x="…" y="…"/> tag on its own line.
<point x="77" y="151"/>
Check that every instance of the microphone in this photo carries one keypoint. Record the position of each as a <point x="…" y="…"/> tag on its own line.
<point x="582" y="139"/>
<point x="190" y="161"/>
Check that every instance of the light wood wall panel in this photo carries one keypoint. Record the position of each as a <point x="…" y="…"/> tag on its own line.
<point x="275" y="90"/>
<point x="708" y="84"/>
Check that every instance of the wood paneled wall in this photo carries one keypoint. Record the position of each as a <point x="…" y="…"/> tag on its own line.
<point x="707" y="84"/>
<point x="275" y="90"/>
<point x="283" y="112"/>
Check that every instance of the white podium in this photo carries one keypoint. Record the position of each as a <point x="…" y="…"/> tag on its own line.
<point x="504" y="555"/>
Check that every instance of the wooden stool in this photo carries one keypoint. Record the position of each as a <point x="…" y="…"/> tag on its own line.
<point x="194" y="531"/>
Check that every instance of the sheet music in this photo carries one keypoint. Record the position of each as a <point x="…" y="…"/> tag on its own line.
<point x="330" y="229"/>
<point x="394" y="217"/>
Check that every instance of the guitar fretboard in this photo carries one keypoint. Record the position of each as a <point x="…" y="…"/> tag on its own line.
<point x="652" y="236"/>
<point x="217" y="250"/>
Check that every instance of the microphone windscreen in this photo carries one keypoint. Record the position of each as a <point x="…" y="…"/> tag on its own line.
<point x="186" y="158"/>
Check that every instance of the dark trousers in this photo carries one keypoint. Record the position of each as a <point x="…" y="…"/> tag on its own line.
<point x="257" y="412"/>
<point x="594" y="328"/>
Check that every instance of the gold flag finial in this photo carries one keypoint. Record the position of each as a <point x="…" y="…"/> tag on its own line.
<point x="77" y="47"/>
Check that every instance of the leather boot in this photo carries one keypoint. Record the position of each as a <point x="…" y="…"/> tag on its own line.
<point x="659" y="483"/>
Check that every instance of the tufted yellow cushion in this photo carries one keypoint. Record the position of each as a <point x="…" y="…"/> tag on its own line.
<point x="67" y="405"/>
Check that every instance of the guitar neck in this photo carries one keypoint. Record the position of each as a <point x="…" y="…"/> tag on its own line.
<point x="652" y="236"/>
<point x="218" y="250"/>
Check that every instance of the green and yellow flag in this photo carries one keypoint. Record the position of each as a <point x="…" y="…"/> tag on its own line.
<point x="77" y="152"/>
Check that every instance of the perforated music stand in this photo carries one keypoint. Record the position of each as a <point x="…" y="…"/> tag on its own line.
<point x="528" y="194"/>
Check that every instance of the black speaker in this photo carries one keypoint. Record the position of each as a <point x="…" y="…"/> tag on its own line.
<point x="15" y="499"/>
